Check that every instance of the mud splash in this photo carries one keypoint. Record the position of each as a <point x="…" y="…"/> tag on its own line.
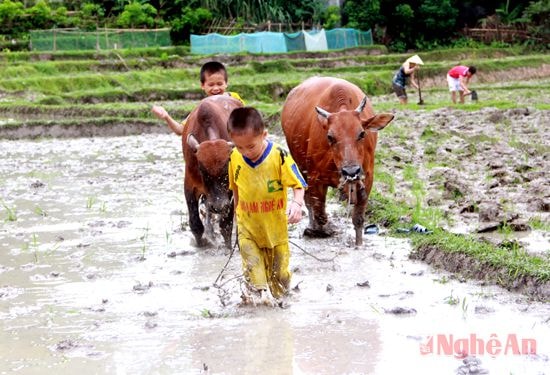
<point x="99" y="275"/>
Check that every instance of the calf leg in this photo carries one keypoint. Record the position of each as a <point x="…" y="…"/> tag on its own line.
<point x="195" y="223"/>
<point x="226" y="226"/>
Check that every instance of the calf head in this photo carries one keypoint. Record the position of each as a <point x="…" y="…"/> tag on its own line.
<point x="213" y="159"/>
<point x="346" y="133"/>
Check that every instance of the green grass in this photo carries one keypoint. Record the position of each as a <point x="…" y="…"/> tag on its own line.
<point x="514" y="261"/>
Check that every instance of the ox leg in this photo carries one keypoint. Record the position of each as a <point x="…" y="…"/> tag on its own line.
<point x="358" y="219"/>
<point x="195" y="223"/>
<point x="315" y="199"/>
<point x="226" y="226"/>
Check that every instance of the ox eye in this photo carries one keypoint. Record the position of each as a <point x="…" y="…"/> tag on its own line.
<point x="331" y="139"/>
<point x="361" y="135"/>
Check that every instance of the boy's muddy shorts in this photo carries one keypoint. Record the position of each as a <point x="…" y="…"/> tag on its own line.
<point x="266" y="267"/>
<point x="399" y="91"/>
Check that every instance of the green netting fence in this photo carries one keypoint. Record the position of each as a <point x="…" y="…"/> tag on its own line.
<point x="278" y="42"/>
<point x="101" y="39"/>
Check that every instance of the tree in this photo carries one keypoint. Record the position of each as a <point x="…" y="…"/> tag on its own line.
<point x="438" y="18"/>
<point x="331" y="17"/>
<point x="90" y="16"/>
<point x="137" y="15"/>
<point x="404" y="22"/>
<point x="11" y="13"/>
<point x="537" y="14"/>
<point x="190" y="22"/>
<point x="41" y="16"/>
<point x="438" y="22"/>
<point x="363" y="15"/>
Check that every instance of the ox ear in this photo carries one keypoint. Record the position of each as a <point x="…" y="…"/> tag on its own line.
<point x="193" y="143"/>
<point x="378" y="122"/>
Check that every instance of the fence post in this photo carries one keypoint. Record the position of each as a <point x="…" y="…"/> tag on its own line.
<point x="54" y="40"/>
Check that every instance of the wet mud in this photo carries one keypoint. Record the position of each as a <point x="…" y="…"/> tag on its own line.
<point x="99" y="274"/>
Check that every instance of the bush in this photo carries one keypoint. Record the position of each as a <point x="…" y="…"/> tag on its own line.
<point x="192" y="21"/>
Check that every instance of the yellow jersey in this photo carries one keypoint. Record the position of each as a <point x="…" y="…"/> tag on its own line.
<point x="262" y="189"/>
<point x="236" y="96"/>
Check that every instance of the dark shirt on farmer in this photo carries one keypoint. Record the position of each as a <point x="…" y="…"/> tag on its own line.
<point x="400" y="78"/>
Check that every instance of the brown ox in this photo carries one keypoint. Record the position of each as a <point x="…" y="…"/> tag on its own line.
<point x="331" y="133"/>
<point x="206" y="150"/>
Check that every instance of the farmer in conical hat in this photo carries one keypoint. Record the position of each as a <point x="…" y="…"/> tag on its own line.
<point x="401" y="77"/>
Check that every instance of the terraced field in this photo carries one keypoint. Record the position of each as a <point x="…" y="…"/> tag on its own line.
<point x="99" y="271"/>
<point x="113" y="89"/>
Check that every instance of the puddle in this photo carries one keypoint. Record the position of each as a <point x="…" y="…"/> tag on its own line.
<point x="98" y="276"/>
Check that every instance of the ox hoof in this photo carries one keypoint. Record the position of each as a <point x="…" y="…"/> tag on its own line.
<point x="318" y="233"/>
<point x="202" y="242"/>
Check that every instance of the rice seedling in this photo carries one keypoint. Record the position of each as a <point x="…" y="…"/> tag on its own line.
<point x="144" y="242"/>
<point x="90" y="201"/>
<point x="40" y="211"/>
<point x="11" y="214"/>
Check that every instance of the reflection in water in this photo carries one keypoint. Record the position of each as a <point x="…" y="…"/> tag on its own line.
<point x="97" y="277"/>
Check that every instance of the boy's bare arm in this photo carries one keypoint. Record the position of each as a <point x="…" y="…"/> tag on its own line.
<point x="295" y="206"/>
<point x="162" y="114"/>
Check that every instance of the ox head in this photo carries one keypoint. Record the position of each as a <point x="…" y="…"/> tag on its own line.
<point x="213" y="159"/>
<point x="347" y="134"/>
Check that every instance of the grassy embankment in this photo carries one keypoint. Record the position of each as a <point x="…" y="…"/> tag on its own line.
<point x="113" y="89"/>
<point x="118" y="87"/>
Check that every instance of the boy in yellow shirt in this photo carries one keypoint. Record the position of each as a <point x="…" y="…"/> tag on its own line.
<point x="213" y="76"/>
<point x="260" y="172"/>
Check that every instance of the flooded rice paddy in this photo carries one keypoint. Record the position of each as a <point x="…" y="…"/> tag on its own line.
<point x="99" y="275"/>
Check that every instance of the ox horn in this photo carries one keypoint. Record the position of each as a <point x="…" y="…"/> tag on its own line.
<point x="212" y="134"/>
<point x="361" y="106"/>
<point x="322" y="112"/>
<point x="193" y="142"/>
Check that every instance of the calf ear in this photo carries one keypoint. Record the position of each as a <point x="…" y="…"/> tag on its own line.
<point x="377" y="122"/>
<point x="193" y="143"/>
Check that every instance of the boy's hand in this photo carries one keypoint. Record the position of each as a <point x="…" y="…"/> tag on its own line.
<point x="160" y="112"/>
<point x="294" y="212"/>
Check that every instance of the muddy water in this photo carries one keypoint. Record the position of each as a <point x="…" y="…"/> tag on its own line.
<point x="98" y="275"/>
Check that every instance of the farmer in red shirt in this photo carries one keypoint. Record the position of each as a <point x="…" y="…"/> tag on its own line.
<point x="457" y="78"/>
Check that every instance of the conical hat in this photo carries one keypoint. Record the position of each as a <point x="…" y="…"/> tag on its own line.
<point x="415" y="59"/>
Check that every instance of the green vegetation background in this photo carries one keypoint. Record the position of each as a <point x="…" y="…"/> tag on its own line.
<point x="419" y="24"/>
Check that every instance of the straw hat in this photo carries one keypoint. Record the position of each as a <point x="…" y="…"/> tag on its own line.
<point x="415" y="59"/>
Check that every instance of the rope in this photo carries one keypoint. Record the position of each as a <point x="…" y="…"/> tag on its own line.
<point x="225" y="266"/>
<point x="324" y="260"/>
